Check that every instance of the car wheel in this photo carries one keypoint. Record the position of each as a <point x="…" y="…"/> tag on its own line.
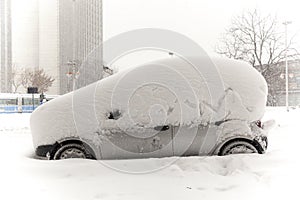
<point x="70" y="151"/>
<point x="237" y="147"/>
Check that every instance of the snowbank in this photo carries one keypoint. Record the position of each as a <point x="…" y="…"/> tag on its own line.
<point x="15" y="122"/>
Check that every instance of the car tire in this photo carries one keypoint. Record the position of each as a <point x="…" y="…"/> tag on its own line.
<point x="71" y="150"/>
<point x="238" y="147"/>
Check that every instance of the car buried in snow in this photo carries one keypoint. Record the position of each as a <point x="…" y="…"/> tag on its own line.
<point x="171" y="107"/>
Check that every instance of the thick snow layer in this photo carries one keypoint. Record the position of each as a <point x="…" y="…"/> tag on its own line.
<point x="176" y="91"/>
<point x="18" y="123"/>
<point x="165" y="92"/>
<point x="273" y="175"/>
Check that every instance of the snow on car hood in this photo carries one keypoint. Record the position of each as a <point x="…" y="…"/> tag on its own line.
<point x="172" y="91"/>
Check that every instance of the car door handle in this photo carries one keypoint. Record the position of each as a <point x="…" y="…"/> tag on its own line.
<point x="162" y="128"/>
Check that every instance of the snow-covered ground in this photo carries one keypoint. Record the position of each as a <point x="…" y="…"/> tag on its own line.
<point x="274" y="175"/>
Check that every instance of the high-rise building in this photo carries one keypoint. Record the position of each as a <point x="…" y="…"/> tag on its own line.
<point x="80" y="37"/>
<point x="25" y="34"/>
<point x="49" y="41"/>
<point x="60" y="36"/>
<point x="5" y="43"/>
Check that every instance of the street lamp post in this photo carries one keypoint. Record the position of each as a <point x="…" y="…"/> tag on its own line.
<point x="74" y="73"/>
<point x="286" y="23"/>
<point x="73" y="63"/>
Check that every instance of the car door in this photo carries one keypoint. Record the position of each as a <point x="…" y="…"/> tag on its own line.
<point x="194" y="140"/>
<point x="140" y="143"/>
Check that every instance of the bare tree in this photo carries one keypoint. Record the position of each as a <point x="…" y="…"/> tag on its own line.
<point x="258" y="40"/>
<point x="36" y="78"/>
<point x="16" y="79"/>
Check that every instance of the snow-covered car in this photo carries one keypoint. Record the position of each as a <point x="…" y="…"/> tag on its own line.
<point x="171" y="107"/>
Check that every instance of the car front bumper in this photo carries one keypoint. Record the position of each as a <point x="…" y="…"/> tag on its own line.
<point x="44" y="152"/>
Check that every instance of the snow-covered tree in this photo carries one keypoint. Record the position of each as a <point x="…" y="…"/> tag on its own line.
<point x="36" y="78"/>
<point x="260" y="41"/>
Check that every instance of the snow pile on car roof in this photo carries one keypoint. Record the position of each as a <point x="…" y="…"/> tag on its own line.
<point x="166" y="92"/>
<point x="176" y="91"/>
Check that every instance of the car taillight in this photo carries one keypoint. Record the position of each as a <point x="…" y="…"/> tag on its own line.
<point x="258" y="123"/>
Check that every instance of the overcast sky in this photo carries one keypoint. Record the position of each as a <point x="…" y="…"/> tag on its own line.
<point x="201" y="20"/>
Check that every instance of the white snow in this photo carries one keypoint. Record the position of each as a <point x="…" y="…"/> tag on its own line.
<point x="165" y="92"/>
<point x="274" y="175"/>
<point x="18" y="123"/>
